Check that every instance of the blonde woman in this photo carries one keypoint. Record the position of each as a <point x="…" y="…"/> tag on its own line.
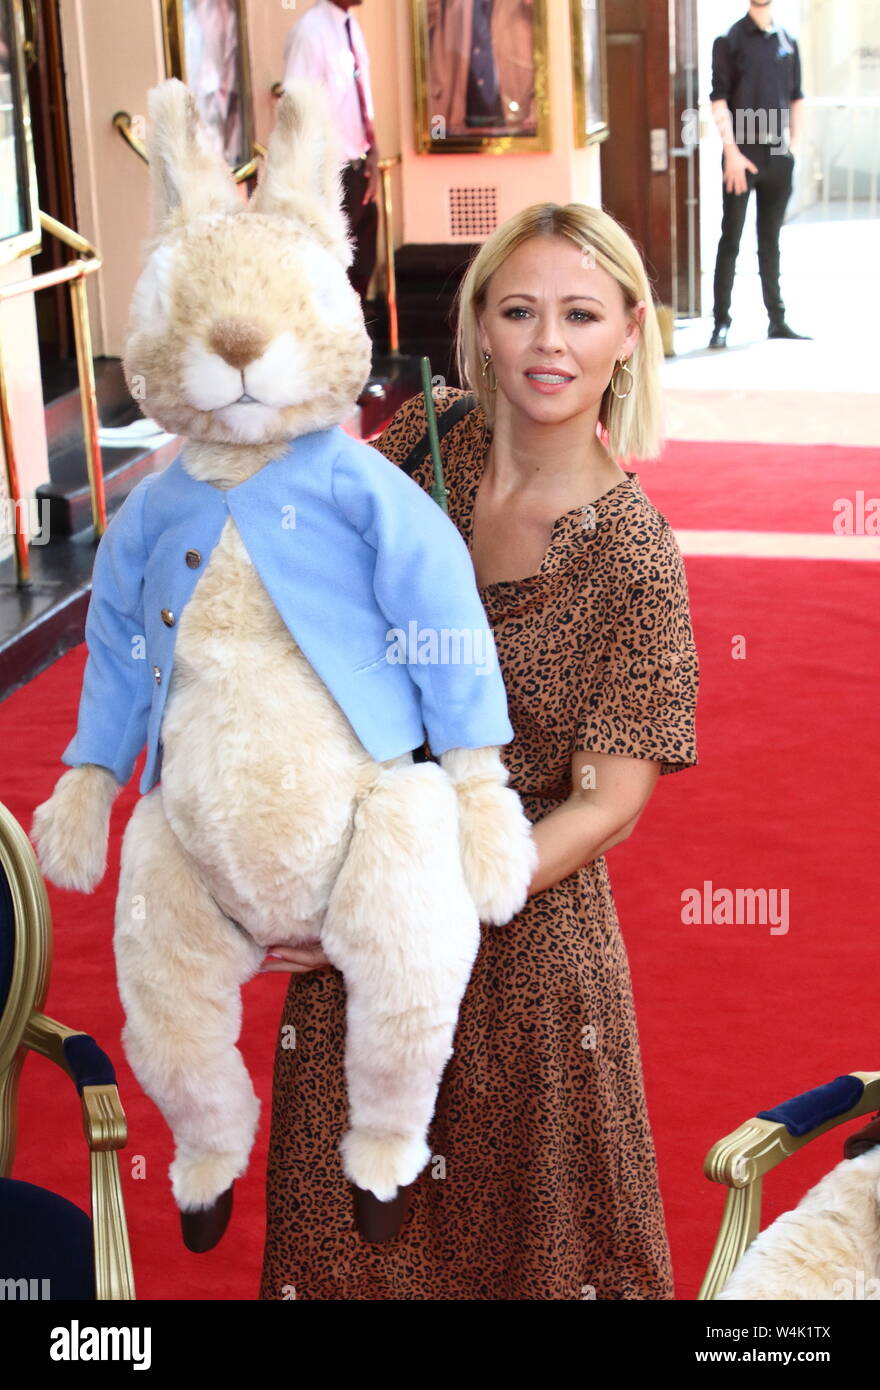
<point x="543" y="1183"/>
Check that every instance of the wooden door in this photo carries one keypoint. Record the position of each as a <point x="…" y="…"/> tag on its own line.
<point x="650" y="161"/>
<point x="48" y="103"/>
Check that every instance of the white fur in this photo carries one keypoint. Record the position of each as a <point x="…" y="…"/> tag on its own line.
<point x="302" y="177"/>
<point x="283" y="375"/>
<point x="208" y="383"/>
<point x="70" y="830"/>
<point x="189" y="178"/>
<point x="280" y="377"/>
<point x="333" y="295"/>
<point x="827" y="1248"/>
<point x="402" y="928"/>
<point x="180" y="966"/>
<point x="498" y="853"/>
<point x="151" y="303"/>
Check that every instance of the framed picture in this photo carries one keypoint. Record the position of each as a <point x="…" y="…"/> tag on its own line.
<point x="589" y="73"/>
<point x="206" y="47"/>
<point x="19" y="206"/>
<point x="481" y="76"/>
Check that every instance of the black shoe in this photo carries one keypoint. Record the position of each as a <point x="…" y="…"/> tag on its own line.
<point x="719" y="336"/>
<point x="782" y="330"/>
<point x="202" y="1230"/>
<point x="377" y="1221"/>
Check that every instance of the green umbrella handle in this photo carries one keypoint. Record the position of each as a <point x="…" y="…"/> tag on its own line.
<point x="438" y="491"/>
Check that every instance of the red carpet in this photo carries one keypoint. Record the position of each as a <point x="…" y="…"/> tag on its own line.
<point x="732" y="1018"/>
<point x="760" y="487"/>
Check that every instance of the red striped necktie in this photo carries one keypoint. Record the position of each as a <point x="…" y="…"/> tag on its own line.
<point x="362" y="99"/>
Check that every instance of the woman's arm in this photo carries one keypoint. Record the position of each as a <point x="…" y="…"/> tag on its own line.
<point x="609" y="793"/>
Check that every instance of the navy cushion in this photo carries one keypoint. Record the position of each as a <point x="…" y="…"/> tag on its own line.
<point x="44" y="1239"/>
<point x="7" y="939"/>
<point x="811" y="1109"/>
<point x="89" y="1065"/>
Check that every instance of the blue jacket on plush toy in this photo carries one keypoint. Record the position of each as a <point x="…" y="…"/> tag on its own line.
<point x="369" y="575"/>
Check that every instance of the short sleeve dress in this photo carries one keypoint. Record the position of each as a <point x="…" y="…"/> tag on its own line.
<point x="543" y="1181"/>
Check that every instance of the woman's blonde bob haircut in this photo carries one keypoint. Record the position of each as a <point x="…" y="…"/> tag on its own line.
<point x="633" y="425"/>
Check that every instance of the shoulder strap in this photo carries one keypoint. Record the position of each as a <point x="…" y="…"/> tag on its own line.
<point x="451" y="416"/>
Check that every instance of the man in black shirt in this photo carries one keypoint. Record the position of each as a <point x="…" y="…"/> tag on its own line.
<point x="756" y="101"/>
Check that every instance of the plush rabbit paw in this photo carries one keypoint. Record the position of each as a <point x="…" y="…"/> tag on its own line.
<point x="70" y="830"/>
<point x="497" y="850"/>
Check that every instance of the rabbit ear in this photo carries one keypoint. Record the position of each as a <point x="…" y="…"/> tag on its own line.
<point x="302" y="177"/>
<point x="189" y="177"/>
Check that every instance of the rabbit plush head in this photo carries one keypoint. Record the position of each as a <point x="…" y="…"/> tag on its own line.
<point x="245" y="329"/>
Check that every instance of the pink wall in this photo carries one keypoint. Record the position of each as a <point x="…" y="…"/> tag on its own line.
<point x="420" y="186"/>
<point x="561" y="175"/>
<point x="113" y="55"/>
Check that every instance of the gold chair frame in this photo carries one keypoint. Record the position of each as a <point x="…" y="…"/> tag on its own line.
<point x="740" y="1161"/>
<point x="24" y="1027"/>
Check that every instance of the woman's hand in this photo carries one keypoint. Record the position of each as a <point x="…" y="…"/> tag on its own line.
<point x="295" y="960"/>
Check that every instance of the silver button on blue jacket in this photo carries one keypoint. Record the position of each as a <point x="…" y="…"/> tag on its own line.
<point x="368" y="574"/>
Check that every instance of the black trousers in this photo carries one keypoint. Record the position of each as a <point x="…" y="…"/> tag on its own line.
<point x="772" y="186"/>
<point x="363" y="219"/>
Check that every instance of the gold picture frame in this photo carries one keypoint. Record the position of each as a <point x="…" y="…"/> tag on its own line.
<point x="589" y="72"/>
<point x="451" y="115"/>
<point x="217" y="29"/>
<point x="20" y="233"/>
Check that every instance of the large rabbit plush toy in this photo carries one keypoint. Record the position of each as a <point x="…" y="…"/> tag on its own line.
<point x="245" y="626"/>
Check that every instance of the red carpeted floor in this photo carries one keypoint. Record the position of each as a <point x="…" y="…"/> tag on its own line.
<point x="762" y="487"/>
<point x="732" y="1018"/>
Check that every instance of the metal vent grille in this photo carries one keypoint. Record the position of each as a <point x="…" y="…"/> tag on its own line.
<point x="473" y="212"/>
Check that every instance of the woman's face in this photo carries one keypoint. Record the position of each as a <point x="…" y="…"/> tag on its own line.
<point x="549" y="309"/>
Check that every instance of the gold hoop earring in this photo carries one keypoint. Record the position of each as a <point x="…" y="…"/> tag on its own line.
<point x="622" y="366"/>
<point x="487" y="362"/>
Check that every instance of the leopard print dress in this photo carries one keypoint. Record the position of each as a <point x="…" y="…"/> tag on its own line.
<point x="543" y="1182"/>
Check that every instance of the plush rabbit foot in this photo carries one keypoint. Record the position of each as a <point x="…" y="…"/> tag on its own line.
<point x="386" y="1169"/>
<point x="70" y="830"/>
<point x="202" y="1230"/>
<point x="382" y="1164"/>
<point x="200" y="1180"/>
<point x="202" y="1188"/>
<point x="378" y="1222"/>
<point x="497" y="850"/>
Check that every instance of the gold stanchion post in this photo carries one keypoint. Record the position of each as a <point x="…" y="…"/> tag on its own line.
<point x="89" y="403"/>
<point x="385" y="167"/>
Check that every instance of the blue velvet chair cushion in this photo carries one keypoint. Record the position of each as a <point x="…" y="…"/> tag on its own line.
<point x="88" y="1063"/>
<point x="812" y="1108"/>
<point x="45" y="1240"/>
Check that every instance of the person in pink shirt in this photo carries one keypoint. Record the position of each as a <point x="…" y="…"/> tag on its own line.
<point x="327" y="45"/>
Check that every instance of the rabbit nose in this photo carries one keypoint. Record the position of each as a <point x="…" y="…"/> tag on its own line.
<point x="238" y="341"/>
